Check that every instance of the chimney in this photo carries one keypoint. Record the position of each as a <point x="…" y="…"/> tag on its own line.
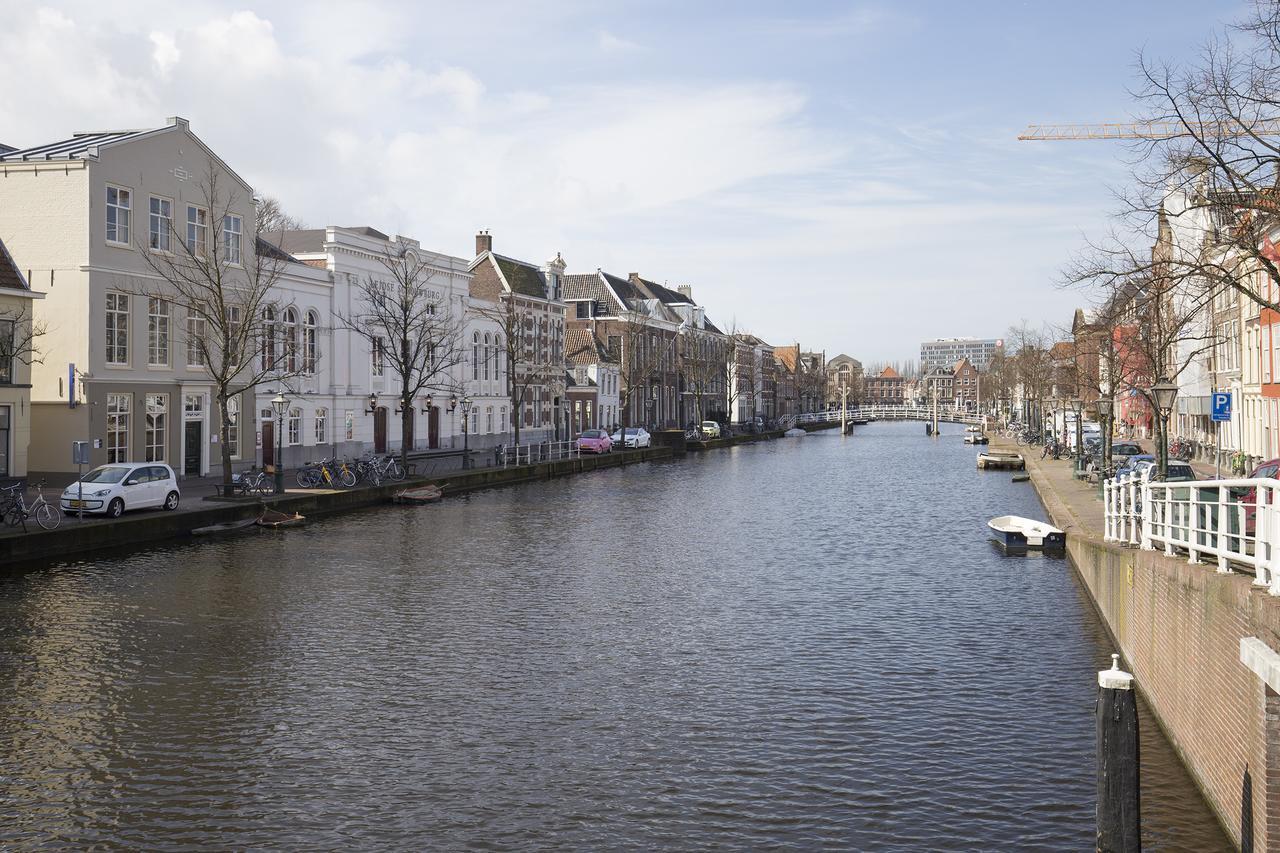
<point x="484" y="243"/>
<point x="686" y="291"/>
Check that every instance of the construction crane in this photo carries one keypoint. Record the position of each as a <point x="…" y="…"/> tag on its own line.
<point x="1146" y="130"/>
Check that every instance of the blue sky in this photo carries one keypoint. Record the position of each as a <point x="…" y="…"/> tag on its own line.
<point x="843" y="175"/>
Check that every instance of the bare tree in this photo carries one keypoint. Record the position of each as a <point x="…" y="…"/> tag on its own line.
<point x="410" y="328"/>
<point x="528" y="353"/>
<point x="20" y="335"/>
<point x="700" y="363"/>
<point x="641" y="353"/>
<point x="223" y="278"/>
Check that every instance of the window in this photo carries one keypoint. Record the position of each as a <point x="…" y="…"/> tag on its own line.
<point x="232" y="228"/>
<point x="310" y="352"/>
<point x="197" y="230"/>
<point x="157" y="332"/>
<point x="488" y="413"/>
<point x="233" y="425"/>
<point x="295" y="427"/>
<point x="161" y="223"/>
<point x="486" y="355"/>
<point x="349" y="424"/>
<point x="379" y="347"/>
<point x="119" y="208"/>
<point x="583" y="310"/>
<point x="197" y="329"/>
<point x="193" y="406"/>
<point x="290" y="340"/>
<point x="117" y="328"/>
<point x="6" y="354"/>
<point x="322" y="425"/>
<point x="475" y="355"/>
<point x="156" y="424"/>
<point x="269" y="338"/>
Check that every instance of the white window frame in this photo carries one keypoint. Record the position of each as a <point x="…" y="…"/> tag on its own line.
<point x="159" y="326"/>
<point x="349" y="424"/>
<point x="119" y="409"/>
<point x="197" y="329"/>
<point x="197" y="230"/>
<point x="293" y="425"/>
<point x="310" y="344"/>
<point x="155" y="436"/>
<point x="232" y="238"/>
<point x="377" y="365"/>
<point x="117" y="327"/>
<point x="233" y="425"/>
<point x="322" y="426"/>
<point x="159" y="223"/>
<point x="121" y="239"/>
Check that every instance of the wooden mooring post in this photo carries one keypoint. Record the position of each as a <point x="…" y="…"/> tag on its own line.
<point x="1118" y="777"/>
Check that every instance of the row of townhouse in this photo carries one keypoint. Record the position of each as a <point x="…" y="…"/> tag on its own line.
<point x="102" y="234"/>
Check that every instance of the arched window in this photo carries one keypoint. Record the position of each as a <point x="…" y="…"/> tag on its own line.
<point x="290" y="340"/>
<point x="475" y="355"/>
<point x="310" y="350"/>
<point x="486" y="355"/>
<point x="268" y="338"/>
<point x="499" y="356"/>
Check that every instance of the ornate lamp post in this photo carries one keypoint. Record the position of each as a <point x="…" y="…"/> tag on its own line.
<point x="466" y="430"/>
<point x="280" y="404"/>
<point x="1105" y="408"/>
<point x="373" y="405"/>
<point x="1077" y="405"/>
<point x="1165" y="393"/>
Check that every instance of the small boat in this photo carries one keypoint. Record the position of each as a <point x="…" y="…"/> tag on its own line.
<point x="428" y="494"/>
<point x="274" y="519"/>
<point x="224" y="527"/>
<point x="1021" y="478"/>
<point x="794" y="432"/>
<point x="975" y="435"/>
<point x="1014" y="531"/>
<point x="996" y="459"/>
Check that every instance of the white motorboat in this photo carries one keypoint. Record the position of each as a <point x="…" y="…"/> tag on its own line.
<point x="795" y="432"/>
<point x="1015" y="531"/>
<point x="975" y="435"/>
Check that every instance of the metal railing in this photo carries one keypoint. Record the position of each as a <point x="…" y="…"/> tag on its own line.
<point x="1235" y="523"/>
<point x="543" y="451"/>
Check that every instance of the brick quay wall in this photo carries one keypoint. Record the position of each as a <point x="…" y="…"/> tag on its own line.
<point x="1178" y="626"/>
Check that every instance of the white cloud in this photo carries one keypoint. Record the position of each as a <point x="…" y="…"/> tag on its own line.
<point x="610" y="43"/>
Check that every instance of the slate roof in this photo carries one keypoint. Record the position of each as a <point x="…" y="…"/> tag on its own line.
<point x="303" y="241"/>
<point x="69" y="149"/>
<point x="5" y="149"/>
<point x="591" y="287"/>
<point x="666" y="294"/>
<point x="10" y="275"/>
<point x="270" y="250"/>
<point x="522" y="278"/>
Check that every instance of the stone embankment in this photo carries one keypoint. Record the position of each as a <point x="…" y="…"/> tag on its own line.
<point x="1179" y="626"/>
<point x="148" y="527"/>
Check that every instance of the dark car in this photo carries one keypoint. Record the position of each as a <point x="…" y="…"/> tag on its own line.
<point x="1122" y="450"/>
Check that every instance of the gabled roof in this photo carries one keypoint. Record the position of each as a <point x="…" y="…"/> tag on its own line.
<point x="664" y="293"/>
<point x="581" y="347"/>
<point x="523" y="278"/>
<point x="590" y="287"/>
<point x="10" y="276"/>
<point x="889" y="373"/>
<point x="78" y="146"/>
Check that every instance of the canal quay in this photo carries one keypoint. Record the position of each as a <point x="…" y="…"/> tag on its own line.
<point x="805" y="643"/>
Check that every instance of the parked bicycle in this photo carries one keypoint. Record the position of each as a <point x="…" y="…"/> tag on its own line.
<point x="255" y="482"/>
<point x="16" y="511"/>
<point x="327" y="472"/>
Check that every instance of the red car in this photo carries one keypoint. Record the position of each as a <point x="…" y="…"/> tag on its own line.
<point x="595" y="441"/>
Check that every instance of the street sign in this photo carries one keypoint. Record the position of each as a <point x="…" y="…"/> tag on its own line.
<point x="79" y="453"/>
<point x="1222" y="406"/>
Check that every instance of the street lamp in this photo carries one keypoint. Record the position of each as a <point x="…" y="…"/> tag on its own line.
<point x="373" y="405"/>
<point x="1105" y="408"/>
<point x="280" y="404"/>
<point x="1078" y="405"/>
<point x="1165" y="393"/>
<point x="466" y="429"/>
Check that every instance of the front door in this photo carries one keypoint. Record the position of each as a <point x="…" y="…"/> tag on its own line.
<point x="433" y="428"/>
<point x="268" y="444"/>
<point x="191" y="448"/>
<point x="380" y="430"/>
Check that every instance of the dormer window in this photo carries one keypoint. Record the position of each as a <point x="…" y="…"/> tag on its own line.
<point x="584" y="311"/>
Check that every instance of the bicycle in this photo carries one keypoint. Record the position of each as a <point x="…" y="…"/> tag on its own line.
<point x="17" y="512"/>
<point x="256" y="482"/>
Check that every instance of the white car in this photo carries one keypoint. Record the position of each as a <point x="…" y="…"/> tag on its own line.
<point x="710" y="429"/>
<point x="636" y="437"/>
<point x="111" y="489"/>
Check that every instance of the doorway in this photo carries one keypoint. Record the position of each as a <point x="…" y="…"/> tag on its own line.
<point x="433" y="428"/>
<point x="268" y="444"/>
<point x="191" y="453"/>
<point x="380" y="430"/>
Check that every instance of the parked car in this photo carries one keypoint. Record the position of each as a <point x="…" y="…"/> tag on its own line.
<point x="710" y="429"/>
<point x="111" y="489"/>
<point x="1249" y="497"/>
<point x="1177" y="471"/>
<point x="1131" y="464"/>
<point x="1122" y="450"/>
<point x="636" y="437"/>
<point x="595" y="441"/>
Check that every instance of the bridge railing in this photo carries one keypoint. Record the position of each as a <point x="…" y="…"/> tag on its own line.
<point x="902" y="413"/>
<point x="1235" y="523"/>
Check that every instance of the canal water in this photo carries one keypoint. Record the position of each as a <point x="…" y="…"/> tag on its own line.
<point x="806" y="643"/>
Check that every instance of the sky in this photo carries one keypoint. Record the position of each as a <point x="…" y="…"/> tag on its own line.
<point x="840" y="175"/>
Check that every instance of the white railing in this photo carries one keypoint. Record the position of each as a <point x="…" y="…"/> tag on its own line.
<point x="893" y="413"/>
<point x="543" y="451"/>
<point x="1235" y="523"/>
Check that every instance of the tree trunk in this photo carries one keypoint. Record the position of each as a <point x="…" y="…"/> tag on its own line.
<point x="224" y="430"/>
<point x="406" y="431"/>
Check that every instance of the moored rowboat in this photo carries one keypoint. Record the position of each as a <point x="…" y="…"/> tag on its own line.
<point x="224" y="527"/>
<point x="274" y="519"/>
<point x="996" y="459"/>
<point x="1018" y="532"/>
<point x="421" y="495"/>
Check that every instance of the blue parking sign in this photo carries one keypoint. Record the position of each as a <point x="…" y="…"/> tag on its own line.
<point x="1222" y="405"/>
